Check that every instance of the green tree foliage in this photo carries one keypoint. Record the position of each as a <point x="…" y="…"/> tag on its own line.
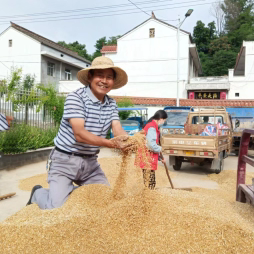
<point x="113" y="40"/>
<point x="218" y="63"/>
<point x="203" y="35"/>
<point x="125" y="103"/>
<point x="77" y="47"/>
<point x="239" y="21"/>
<point x="222" y="43"/>
<point x="103" y="41"/>
<point x="218" y="52"/>
<point x="52" y="102"/>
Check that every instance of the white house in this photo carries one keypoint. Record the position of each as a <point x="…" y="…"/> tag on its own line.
<point x="238" y="85"/>
<point x="39" y="56"/>
<point x="148" y="53"/>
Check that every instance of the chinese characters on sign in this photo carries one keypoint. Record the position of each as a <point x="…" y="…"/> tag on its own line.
<point x="182" y="142"/>
<point x="207" y="95"/>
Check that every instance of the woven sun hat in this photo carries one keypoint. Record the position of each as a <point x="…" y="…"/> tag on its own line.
<point x="103" y="62"/>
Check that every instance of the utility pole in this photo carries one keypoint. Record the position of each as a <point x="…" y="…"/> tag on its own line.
<point x="178" y="54"/>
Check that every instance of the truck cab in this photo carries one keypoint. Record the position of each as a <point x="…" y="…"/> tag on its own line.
<point x="176" y="119"/>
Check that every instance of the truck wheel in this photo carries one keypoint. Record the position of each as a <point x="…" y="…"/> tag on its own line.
<point x="178" y="164"/>
<point x="217" y="171"/>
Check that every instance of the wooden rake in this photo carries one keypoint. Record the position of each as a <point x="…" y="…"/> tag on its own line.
<point x="169" y="178"/>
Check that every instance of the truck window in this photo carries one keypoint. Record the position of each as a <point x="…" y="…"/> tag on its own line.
<point x="207" y="120"/>
<point x="176" y="118"/>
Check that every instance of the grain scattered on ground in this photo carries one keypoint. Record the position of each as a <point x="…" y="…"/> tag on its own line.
<point x="227" y="184"/>
<point x="140" y="221"/>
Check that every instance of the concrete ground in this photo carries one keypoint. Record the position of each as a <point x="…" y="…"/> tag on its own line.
<point x="188" y="176"/>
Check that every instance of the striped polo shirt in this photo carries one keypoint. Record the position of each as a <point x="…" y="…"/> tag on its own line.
<point x="3" y="123"/>
<point x="98" y="117"/>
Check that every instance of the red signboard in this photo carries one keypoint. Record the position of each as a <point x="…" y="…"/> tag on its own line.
<point x="223" y="95"/>
<point x="191" y="95"/>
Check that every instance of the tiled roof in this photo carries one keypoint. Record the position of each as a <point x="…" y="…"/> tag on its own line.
<point x="109" y="48"/>
<point x="186" y="102"/>
<point x="48" y="42"/>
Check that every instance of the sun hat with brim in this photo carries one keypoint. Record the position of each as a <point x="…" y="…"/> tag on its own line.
<point x="103" y="62"/>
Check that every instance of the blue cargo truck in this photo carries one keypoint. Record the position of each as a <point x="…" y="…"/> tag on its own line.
<point x="242" y="118"/>
<point x="176" y="119"/>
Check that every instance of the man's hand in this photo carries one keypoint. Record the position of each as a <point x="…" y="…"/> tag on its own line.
<point x="9" y="119"/>
<point x="120" y="142"/>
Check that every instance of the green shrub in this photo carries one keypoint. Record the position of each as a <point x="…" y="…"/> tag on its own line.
<point x="21" y="138"/>
<point x="125" y="103"/>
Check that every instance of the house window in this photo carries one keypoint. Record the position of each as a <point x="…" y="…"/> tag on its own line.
<point x="68" y="75"/>
<point x="237" y="94"/>
<point x="10" y="43"/>
<point x="51" y="69"/>
<point x="152" y="33"/>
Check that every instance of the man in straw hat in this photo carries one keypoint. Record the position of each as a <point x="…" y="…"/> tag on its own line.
<point x="88" y="115"/>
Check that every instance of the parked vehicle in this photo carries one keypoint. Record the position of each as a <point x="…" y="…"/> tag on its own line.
<point x="134" y="123"/>
<point x="242" y="118"/>
<point x="176" y="119"/>
<point x="206" y="139"/>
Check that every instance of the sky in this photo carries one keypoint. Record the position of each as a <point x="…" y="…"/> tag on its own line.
<point x="88" y="30"/>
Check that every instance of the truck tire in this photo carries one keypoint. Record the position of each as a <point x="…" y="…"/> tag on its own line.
<point x="217" y="171"/>
<point x="178" y="164"/>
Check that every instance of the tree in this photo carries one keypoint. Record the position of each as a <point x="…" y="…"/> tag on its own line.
<point x="113" y="40"/>
<point x="125" y="103"/>
<point x="221" y="43"/>
<point x="239" y="21"/>
<point x="219" y="15"/>
<point x="98" y="45"/>
<point x="77" y="47"/>
<point x="217" y="64"/>
<point x="202" y="35"/>
<point x="103" y="41"/>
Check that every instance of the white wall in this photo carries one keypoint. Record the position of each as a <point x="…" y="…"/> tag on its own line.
<point x="151" y="63"/>
<point x="244" y="85"/>
<point x="24" y="53"/>
<point x="66" y="58"/>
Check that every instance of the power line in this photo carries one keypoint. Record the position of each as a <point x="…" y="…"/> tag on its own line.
<point x="149" y="14"/>
<point x="4" y="65"/>
<point x="110" y="15"/>
<point x="108" y="12"/>
<point x="139" y="8"/>
<point x="86" y="9"/>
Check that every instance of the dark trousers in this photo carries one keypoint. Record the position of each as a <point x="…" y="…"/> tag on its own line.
<point x="149" y="178"/>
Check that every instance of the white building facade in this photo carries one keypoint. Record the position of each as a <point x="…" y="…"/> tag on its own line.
<point x="238" y="85"/>
<point x="148" y="53"/>
<point x="48" y="61"/>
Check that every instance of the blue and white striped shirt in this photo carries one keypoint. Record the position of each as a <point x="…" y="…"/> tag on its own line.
<point x="3" y="123"/>
<point x="98" y="117"/>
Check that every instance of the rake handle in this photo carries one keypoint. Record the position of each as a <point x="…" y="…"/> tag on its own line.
<point x="166" y="168"/>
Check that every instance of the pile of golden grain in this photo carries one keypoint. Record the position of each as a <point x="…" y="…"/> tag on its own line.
<point x="131" y="219"/>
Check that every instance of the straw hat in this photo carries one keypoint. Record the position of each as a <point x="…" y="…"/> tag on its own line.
<point x="103" y="62"/>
